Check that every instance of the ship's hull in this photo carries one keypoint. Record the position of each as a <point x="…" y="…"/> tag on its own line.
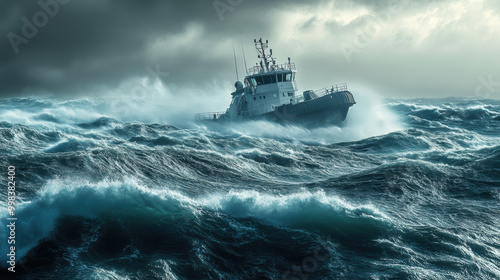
<point x="330" y="109"/>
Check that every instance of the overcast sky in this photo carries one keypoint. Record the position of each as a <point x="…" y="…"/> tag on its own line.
<point x="405" y="49"/>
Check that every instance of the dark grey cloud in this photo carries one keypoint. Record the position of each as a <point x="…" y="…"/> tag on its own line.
<point x="92" y="46"/>
<point x="93" y="43"/>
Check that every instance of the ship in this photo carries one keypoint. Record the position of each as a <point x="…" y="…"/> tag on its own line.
<point x="269" y="92"/>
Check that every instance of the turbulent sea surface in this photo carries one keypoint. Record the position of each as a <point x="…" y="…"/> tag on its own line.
<point x="405" y="189"/>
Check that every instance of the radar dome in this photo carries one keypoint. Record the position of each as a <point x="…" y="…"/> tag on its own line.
<point x="238" y="85"/>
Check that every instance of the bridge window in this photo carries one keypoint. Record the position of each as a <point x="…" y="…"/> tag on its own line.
<point x="288" y="77"/>
<point x="280" y="78"/>
<point x="259" y="80"/>
<point x="267" y="79"/>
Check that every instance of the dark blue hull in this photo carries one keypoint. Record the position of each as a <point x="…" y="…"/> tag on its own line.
<point x="330" y="109"/>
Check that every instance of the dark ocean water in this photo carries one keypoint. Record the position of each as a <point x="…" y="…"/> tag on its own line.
<point x="406" y="189"/>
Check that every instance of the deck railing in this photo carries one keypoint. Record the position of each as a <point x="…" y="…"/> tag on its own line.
<point x="272" y="67"/>
<point x="208" y="116"/>
<point x="321" y="92"/>
<point x="332" y="89"/>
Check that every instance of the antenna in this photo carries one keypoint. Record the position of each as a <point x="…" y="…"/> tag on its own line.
<point x="235" y="64"/>
<point x="265" y="58"/>
<point x="244" y="57"/>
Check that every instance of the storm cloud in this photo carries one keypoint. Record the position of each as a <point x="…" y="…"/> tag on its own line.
<point x="396" y="48"/>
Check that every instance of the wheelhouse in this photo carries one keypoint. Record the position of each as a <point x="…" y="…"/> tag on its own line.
<point x="270" y="78"/>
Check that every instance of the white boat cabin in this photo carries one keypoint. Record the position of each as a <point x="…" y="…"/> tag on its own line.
<point x="268" y="86"/>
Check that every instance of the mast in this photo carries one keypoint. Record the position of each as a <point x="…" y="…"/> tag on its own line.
<point x="265" y="58"/>
<point x="235" y="64"/>
<point x="244" y="57"/>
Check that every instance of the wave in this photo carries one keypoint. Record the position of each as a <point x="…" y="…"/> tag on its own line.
<point x="136" y="204"/>
<point x="60" y="198"/>
<point x="72" y="145"/>
<point x="464" y="110"/>
<point x="101" y="122"/>
<point x="159" y="141"/>
<point x="305" y="209"/>
<point x="50" y="112"/>
<point x="417" y="140"/>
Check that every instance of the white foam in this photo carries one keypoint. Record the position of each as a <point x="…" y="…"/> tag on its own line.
<point x="303" y="209"/>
